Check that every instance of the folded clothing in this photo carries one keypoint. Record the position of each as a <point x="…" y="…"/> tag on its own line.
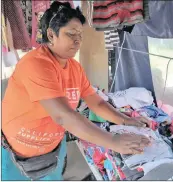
<point x="155" y="113"/>
<point x="161" y="172"/>
<point x="136" y="97"/>
<point x="116" y="14"/>
<point x="151" y="153"/>
<point x="132" y="175"/>
<point x="151" y="165"/>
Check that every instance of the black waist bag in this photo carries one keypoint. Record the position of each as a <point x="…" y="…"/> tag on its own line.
<point x="34" y="167"/>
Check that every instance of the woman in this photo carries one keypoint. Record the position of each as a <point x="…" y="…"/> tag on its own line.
<point x="42" y="94"/>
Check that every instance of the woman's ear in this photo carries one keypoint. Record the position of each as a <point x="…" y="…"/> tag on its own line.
<point x="50" y="35"/>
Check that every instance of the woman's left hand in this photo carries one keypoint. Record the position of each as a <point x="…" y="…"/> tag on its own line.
<point x="138" y="121"/>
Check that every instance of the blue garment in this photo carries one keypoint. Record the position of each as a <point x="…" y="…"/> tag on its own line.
<point x="157" y="114"/>
<point x="108" y="165"/>
<point x="10" y="172"/>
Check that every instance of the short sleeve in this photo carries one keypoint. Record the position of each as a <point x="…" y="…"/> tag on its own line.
<point x="87" y="89"/>
<point x="40" y="79"/>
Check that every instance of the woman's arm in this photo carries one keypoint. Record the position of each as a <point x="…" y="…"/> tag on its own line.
<point x="108" y="112"/>
<point x="78" y="125"/>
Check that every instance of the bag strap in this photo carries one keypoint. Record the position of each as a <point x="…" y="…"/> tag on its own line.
<point x="4" y="142"/>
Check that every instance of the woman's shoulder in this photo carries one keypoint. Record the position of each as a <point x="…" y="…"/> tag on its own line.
<point x="75" y="64"/>
<point x="36" y="57"/>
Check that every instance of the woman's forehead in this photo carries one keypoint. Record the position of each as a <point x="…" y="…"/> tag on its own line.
<point x="74" y="24"/>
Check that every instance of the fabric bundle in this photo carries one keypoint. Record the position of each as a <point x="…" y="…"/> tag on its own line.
<point x="150" y="153"/>
<point x="118" y="14"/>
<point x="136" y="97"/>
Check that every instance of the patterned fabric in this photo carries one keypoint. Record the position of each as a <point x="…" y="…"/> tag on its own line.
<point x="13" y="13"/>
<point x="117" y="13"/>
<point x="111" y="39"/>
<point x="38" y="9"/>
<point x="26" y="6"/>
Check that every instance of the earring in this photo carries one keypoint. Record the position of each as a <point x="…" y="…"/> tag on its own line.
<point x="51" y="44"/>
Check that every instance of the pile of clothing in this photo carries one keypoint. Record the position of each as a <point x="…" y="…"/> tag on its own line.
<point x="133" y="102"/>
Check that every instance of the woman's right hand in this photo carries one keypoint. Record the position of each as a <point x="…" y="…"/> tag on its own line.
<point x="130" y="143"/>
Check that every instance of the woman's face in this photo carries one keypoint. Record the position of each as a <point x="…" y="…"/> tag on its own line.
<point x="69" y="40"/>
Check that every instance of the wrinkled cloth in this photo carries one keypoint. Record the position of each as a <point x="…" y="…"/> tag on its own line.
<point x="132" y="175"/>
<point x="10" y="58"/>
<point x="136" y="97"/>
<point x="151" y="153"/>
<point x="155" y="113"/>
<point x="154" y="125"/>
<point x="115" y="166"/>
<point x="12" y="12"/>
<point x="26" y="6"/>
<point x="160" y="24"/>
<point x="162" y="172"/>
<point x="116" y="14"/>
<point x="94" y="117"/>
<point x="38" y="9"/>
<point x="82" y="106"/>
<point x="151" y="165"/>
<point x="95" y="155"/>
<point x="103" y="125"/>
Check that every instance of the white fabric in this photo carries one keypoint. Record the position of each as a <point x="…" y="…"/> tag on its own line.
<point x="82" y="107"/>
<point x="9" y="58"/>
<point x="136" y="97"/>
<point x="151" y="165"/>
<point x="151" y="153"/>
<point x="101" y="94"/>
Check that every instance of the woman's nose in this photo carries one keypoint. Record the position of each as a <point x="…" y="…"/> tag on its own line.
<point x="77" y="42"/>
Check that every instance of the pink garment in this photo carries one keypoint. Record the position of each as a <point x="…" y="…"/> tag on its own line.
<point x="154" y="124"/>
<point x="38" y="9"/>
<point x="4" y="49"/>
<point x="117" y="169"/>
<point x="98" y="158"/>
<point x="168" y="109"/>
<point x="13" y="12"/>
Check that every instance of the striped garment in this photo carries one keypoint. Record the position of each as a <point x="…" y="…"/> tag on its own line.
<point x="118" y="13"/>
<point x="111" y="39"/>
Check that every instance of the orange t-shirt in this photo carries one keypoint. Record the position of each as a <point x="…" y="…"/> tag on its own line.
<point x="38" y="75"/>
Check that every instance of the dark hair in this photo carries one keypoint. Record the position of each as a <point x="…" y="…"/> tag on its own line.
<point x="58" y="16"/>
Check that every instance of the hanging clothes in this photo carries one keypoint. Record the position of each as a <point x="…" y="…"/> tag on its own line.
<point x="116" y="14"/>
<point x="4" y="34"/>
<point x="26" y="6"/>
<point x="111" y="39"/>
<point x="38" y="9"/>
<point x="63" y="1"/>
<point x="160" y="24"/>
<point x="13" y="12"/>
<point x="9" y="54"/>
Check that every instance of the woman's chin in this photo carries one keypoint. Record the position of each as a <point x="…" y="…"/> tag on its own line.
<point x="72" y="54"/>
